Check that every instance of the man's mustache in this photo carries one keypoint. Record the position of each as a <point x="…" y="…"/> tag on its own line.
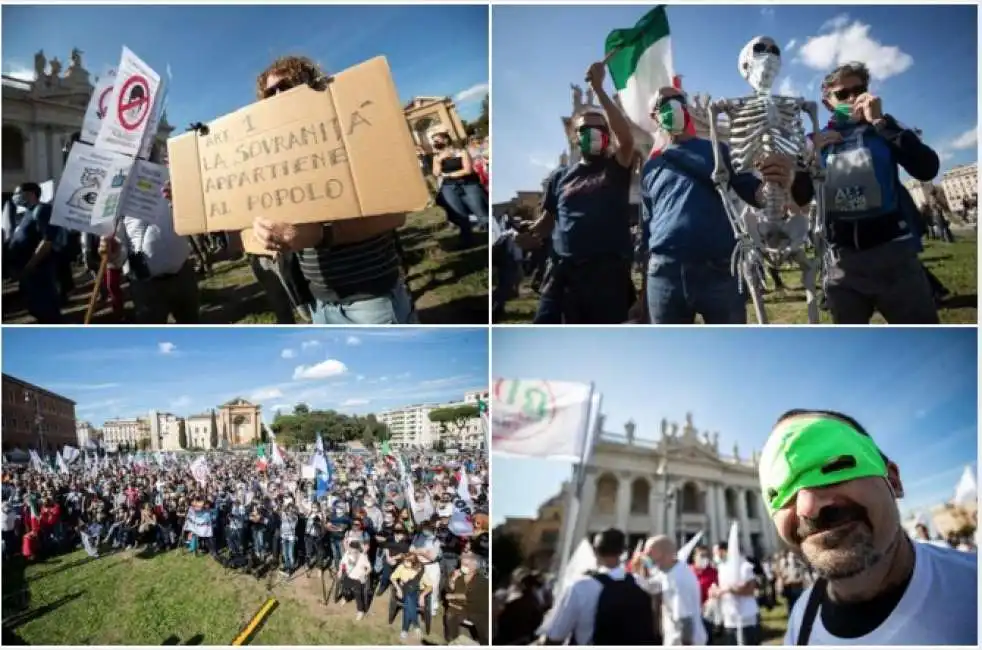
<point x="831" y="516"/>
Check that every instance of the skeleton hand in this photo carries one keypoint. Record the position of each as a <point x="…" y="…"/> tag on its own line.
<point x="595" y="75"/>
<point x="777" y="168"/>
<point x="869" y="107"/>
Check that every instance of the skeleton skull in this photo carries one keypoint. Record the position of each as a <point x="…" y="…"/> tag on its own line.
<point x="760" y="63"/>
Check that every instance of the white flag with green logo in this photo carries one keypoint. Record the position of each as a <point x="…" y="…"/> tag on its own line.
<point x="542" y="419"/>
<point x="639" y="59"/>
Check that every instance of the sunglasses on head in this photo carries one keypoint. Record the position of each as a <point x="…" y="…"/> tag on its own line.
<point x="765" y="48"/>
<point x="281" y="86"/>
<point x="848" y="93"/>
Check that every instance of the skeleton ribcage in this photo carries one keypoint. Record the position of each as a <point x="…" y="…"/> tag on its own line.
<point x="761" y="126"/>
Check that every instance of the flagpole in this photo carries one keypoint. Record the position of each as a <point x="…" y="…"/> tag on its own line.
<point x="573" y="504"/>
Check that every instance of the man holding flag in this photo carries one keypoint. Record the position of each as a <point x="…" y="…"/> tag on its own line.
<point x="586" y="209"/>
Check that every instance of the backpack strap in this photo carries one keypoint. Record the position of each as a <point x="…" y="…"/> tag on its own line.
<point x="602" y="578"/>
<point x="811" y="611"/>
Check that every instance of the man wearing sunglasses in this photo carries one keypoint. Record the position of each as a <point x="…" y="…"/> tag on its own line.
<point x="347" y="272"/>
<point x="831" y="494"/>
<point x="685" y="227"/>
<point x="874" y="265"/>
<point x="586" y="208"/>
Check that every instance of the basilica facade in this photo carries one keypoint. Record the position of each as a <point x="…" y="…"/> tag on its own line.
<point x="677" y="485"/>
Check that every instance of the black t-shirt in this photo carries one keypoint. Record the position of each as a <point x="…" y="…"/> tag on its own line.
<point x="480" y="544"/>
<point x="397" y="548"/>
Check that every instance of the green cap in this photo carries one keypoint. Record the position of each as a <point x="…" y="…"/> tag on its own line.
<point x="800" y="447"/>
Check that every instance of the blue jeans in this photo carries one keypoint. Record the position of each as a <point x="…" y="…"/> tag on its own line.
<point x="596" y="291"/>
<point x="460" y="201"/>
<point x="259" y="541"/>
<point x="678" y="291"/>
<point x="410" y="610"/>
<point x="39" y="291"/>
<point x="289" y="554"/>
<point x="394" y="308"/>
<point x="335" y="551"/>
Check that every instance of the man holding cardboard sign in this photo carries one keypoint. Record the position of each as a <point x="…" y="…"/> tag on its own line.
<point x="323" y="170"/>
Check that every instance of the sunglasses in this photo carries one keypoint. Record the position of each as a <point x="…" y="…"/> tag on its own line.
<point x="764" y="48"/>
<point x="848" y="93"/>
<point x="281" y="87"/>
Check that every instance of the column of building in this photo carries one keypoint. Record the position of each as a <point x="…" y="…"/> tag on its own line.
<point x="711" y="536"/>
<point x="54" y="154"/>
<point x="724" y="522"/>
<point x="671" y="509"/>
<point x="623" y="500"/>
<point x="745" y="547"/>
<point x="655" y="509"/>
<point x="770" y="532"/>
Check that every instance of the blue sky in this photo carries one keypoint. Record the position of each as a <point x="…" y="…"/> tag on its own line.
<point x="127" y="372"/>
<point x="216" y="52"/>
<point x="914" y="52"/>
<point x="914" y="390"/>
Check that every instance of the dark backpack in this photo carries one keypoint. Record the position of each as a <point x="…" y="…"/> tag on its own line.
<point x="624" y="613"/>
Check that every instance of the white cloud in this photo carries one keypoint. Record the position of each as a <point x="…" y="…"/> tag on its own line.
<point x="285" y="409"/>
<point x="360" y="378"/>
<point x="967" y="140"/>
<point x="83" y="386"/>
<point x="354" y="401"/>
<point x="267" y="393"/>
<point x="475" y="92"/>
<point x="767" y="12"/>
<point x="288" y="353"/>
<point x="18" y="70"/>
<point x="353" y="340"/>
<point x="181" y="402"/>
<point x="851" y="41"/>
<point x="790" y="45"/>
<point x="309" y="345"/>
<point x="544" y="163"/>
<point x="945" y="155"/>
<point x="838" y="22"/>
<point x="166" y="347"/>
<point x="322" y="370"/>
<point x="383" y="379"/>
<point x="787" y="88"/>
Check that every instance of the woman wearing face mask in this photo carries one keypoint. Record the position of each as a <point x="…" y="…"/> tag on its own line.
<point x="467" y="600"/>
<point x="411" y="588"/>
<point x="356" y="571"/>
<point x="461" y="192"/>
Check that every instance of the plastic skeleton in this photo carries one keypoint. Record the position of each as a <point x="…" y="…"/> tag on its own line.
<point x="760" y="125"/>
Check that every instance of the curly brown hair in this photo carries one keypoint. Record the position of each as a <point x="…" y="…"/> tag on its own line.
<point x="298" y="69"/>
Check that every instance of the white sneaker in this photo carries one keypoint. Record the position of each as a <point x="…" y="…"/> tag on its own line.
<point x="359" y="616"/>
<point x="403" y="636"/>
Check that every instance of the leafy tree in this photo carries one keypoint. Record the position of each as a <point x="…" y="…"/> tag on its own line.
<point x="368" y="437"/>
<point x="456" y="416"/>
<point x="144" y="444"/>
<point x="480" y="127"/>
<point x="263" y="434"/>
<point x="301" y="409"/>
<point x="214" y="430"/>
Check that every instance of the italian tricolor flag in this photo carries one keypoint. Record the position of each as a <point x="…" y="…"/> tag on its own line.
<point x="640" y="62"/>
<point x="482" y="409"/>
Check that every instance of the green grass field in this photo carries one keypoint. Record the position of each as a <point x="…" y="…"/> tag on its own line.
<point x="176" y="599"/>
<point x="956" y="265"/>
<point x="449" y="286"/>
<point x="774" y="624"/>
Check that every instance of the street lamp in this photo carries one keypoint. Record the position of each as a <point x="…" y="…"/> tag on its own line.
<point x="28" y="397"/>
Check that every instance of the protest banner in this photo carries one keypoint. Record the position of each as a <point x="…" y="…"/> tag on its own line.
<point x="98" y="106"/>
<point x="301" y="156"/>
<point x="129" y="106"/>
<point x="87" y="171"/>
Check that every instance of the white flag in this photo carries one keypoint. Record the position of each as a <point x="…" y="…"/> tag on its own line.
<point x="62" y="467"/>
<point x="542" y="419"/>
<point x="967" y="490"/>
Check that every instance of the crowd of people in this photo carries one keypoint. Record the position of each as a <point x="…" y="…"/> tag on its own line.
<point x="348" y="272"/>
<point x="415" y="527"/>
<point x="587" y="241"/>
<point x="849" y="573"/>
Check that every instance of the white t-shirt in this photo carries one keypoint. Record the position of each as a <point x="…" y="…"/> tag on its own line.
<point x="738" y="611"/>
<point x="680" y="600"/>
<point x="939" y="607"/>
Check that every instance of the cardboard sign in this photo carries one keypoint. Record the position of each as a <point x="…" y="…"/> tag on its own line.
<point x="136" y="190"/>
<point x="129" y="106"/>
<point x="301" y="156"/>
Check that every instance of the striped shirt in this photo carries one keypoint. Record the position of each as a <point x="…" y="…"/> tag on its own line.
<point x="352" y="272"/>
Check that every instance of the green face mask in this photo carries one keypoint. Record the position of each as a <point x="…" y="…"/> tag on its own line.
<point x="843" y="114"/>
<point x="812" y="451"/>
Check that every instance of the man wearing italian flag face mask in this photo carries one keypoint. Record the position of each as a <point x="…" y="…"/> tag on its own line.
<point x="685" y="229"/>
<point x="831" y="494"/>
<point x="586" y="210"/>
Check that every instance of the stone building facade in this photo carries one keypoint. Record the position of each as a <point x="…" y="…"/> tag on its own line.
<point x="239" y="422"/>
<point x="36" y="418"/>
<point x="425" y="113"/>
<point x="677" y="485"/>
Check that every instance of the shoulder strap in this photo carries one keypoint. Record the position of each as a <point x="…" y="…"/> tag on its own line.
<point x="602" y="578"/>
<point x="811" y="611"/>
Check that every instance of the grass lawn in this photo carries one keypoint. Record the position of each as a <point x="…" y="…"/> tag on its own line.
<point x="449" y="286"/>
<point x="774" y="624"/>
<point x="175" y="599"/>
<point x="956" y="265"/>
